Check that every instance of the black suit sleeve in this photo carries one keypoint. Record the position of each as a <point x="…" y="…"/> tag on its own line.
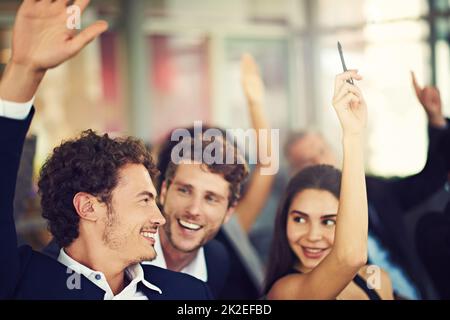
<point x="413" y="190"/>
<point x="12" y="137"/>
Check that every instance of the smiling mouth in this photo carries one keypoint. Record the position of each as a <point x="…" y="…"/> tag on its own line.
<point x="313" y="253"/>
<point x="149" y="236"/>
<point x="189" y="225"/>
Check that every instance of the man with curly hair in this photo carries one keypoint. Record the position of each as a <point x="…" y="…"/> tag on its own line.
<point x="97" y="192"/>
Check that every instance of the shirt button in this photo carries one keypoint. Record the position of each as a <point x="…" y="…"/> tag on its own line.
<point x="98" y="277"/>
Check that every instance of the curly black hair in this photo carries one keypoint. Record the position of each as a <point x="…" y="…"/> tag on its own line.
<point x="88" y="164"/>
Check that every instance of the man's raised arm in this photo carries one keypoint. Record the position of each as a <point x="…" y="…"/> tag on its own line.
<point x="41" y="41"/>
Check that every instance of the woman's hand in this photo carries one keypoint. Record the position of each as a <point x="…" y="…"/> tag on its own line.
<point x="349" y="104"/>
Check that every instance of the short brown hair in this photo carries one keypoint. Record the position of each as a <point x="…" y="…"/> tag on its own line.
<point x="234" y="173"/>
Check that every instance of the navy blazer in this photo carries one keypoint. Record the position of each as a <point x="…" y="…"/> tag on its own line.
<point x="216" y="256"/>
<point x="27" y="274"/>
<point x="218" y="266"/>
<point x="238" y="283"/>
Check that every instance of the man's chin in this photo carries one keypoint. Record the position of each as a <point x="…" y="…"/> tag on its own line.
<point x="148" y="256"/>
<point x="187" y="249"/>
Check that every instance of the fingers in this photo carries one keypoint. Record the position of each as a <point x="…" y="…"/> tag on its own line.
<point x="345" y="89"/>
<point x="347" y="99"/>
<point x="52" y="5"/>
<point x="430" y="93"/>
<point x="341" y="79"/>
<point x="28" y="3"/>
<point x="248" y="64"/>
<point x="45" y="2"/>
<point x="81" y="3"/>
<point x="86" y="36"/>
<point x="416" y="86"/>
<point x="57" y="5"/>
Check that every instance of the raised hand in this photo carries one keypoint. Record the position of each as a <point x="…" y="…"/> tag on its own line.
<point x="41" y="38"/>
<point x="260" y="183"/>
<point x="430" y="98"/>
<point x="251" y="80"/>
<point x="349" y="104"/>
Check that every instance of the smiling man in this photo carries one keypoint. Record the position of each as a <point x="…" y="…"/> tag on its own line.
<point x="196" y="200"/>
<point x="196" y="204"/>
<point x="97" y="192"/>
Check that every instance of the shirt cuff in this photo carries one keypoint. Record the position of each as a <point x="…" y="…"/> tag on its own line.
<point x="15" y="110"/>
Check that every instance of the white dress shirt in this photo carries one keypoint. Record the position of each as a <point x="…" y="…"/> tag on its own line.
<point x="134" y="273"/>
<point x="15" y="110"/>
<point x="196" y="268"/>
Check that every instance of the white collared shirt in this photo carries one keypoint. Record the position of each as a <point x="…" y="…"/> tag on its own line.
<point x="15" y="110"/>
<point x="135" y="273"/>
<point x="196" y="268"/>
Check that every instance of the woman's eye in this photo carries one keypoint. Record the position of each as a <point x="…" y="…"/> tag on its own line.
<point x="299" y="219"/>
<point x="329" y="222"/>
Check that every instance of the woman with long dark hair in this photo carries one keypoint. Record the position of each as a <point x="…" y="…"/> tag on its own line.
<point x="319" y="250"/>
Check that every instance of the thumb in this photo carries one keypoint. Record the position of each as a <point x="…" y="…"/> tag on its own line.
<point x="87" y="35"/>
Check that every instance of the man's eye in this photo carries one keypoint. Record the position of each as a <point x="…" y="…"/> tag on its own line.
<point x="182" y="190"/>
<point x="211" y="199"/>
<point x="329" y="222"/>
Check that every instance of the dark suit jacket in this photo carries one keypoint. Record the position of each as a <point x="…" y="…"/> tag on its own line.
<point x="217" y="264"/>
<point x="239" y="284"/>
<point x="393" y="198"/>
<point x="27" y="274"/>
<point x="433" y="245"/>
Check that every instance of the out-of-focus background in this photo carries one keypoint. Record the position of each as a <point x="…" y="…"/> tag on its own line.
<point x="165" y="63"/>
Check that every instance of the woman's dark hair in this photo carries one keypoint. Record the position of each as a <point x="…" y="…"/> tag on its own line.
<point x="282" y="258"/>
<point x="88" y="164"/>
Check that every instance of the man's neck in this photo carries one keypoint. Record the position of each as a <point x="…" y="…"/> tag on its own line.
<point x="113" y="270"/>
<point x="176" y="260"/>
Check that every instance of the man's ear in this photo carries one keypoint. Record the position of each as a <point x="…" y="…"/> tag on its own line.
<point x="229" y="213"/>
<point x="84" y="206"/>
